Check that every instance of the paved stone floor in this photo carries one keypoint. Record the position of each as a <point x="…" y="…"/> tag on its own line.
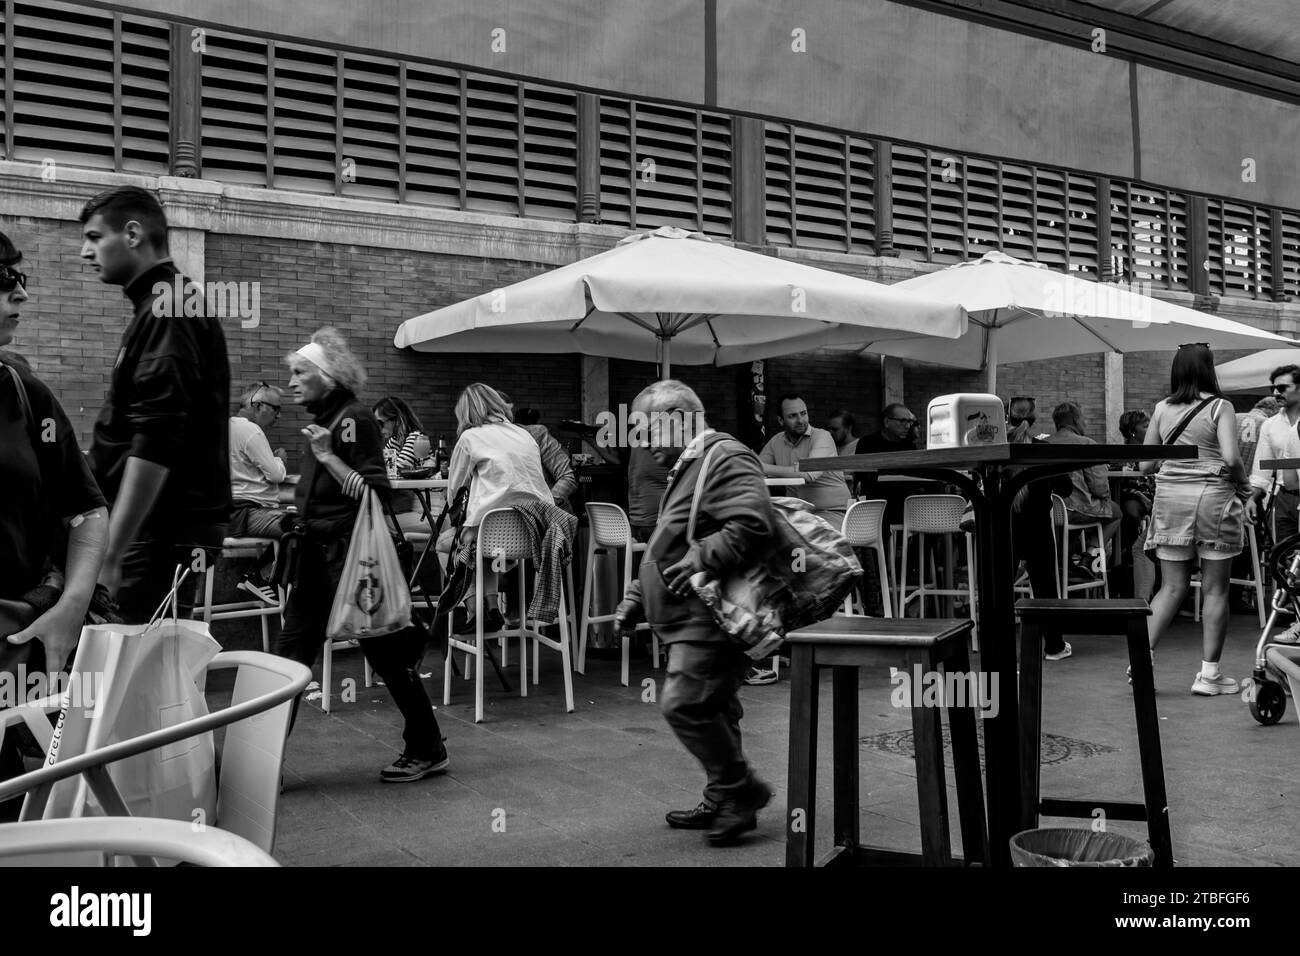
<point x="533" y="785"/>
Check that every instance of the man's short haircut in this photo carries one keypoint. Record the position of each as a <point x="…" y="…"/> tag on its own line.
<point x="1292" y="370"/>
<point x="788" y="397"/>
<point x="891" y="408"/>
<point x="1022" y="407"/>
<point x="668" y="394"/>
<point x="1067" y="413"/>
<point x="846" y="418"/>
<point x="121" y="204"/>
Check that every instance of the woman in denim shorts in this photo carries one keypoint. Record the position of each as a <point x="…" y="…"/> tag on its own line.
<point x="1198" y="510"/>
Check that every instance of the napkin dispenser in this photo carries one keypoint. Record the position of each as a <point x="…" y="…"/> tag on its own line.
<point x="965" y="419"/>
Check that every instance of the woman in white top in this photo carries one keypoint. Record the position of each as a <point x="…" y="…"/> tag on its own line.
<point x="497" y="460"/>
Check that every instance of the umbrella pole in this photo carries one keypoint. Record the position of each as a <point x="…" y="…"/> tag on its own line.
<point x="664" y="365"/>
<point x="991" y="356"/>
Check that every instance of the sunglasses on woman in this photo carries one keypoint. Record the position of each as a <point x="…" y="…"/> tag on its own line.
<point x="11" y="278"/>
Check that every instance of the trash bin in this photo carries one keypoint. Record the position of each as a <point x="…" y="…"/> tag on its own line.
<point x="1072" y="846"/>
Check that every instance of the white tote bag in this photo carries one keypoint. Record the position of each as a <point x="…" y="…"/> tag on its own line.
<point x="373" y="597"/>
<point x="129" y="680"/>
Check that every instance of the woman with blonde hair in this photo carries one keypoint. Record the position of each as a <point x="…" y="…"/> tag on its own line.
<point x="497" y="460"/>
<point x="345" y="459"/>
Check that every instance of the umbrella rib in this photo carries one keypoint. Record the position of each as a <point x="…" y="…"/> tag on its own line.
<point x="1101" y="338"/>
<point x="585" y="317"/>
<point x="637" y="320"/>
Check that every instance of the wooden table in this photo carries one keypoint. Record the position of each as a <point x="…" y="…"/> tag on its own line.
<point x="1003" y="470"/>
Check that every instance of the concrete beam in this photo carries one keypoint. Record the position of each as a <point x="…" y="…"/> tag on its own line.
<point x="1114" y="383"/>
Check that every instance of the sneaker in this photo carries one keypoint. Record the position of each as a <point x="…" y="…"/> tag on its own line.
<point x="701" y="818"/>
<point x="1207" y="687"/>
<point x="760" y="675"/>
<point x="406" y="769"/>
<point x="1290" y="636"/>
<point x="1060" y="655"/>
<point x="260" y="589"/>
<point x="739" y="816"/>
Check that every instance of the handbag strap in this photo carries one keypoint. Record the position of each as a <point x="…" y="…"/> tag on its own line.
<point x="1174" y="435"/>
<point x="699" y="491"/>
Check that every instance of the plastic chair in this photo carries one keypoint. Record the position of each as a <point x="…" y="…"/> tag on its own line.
<point x="1061" y="519"/>
<point x="252" y="752"/>
<point x="863" y="527"/>
<point x="611" y="533"/>
<point x="327" y="669"/>
<point x="27" y="844"/>
<point x="934" y="514"/>
<point x="233" y="549"/>
<point x="502" y="539"/>
<point x="1256" y="580"/>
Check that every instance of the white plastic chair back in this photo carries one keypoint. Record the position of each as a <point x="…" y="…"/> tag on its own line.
<point x="501" y="534"/>
<point x="252" y="756"/>
<point x="45" y="842"/>
<point x="933" y="514"/>
<point x="1059" y="516"/>
<point x="609" y="525"/>
<point x="863" y="523"/>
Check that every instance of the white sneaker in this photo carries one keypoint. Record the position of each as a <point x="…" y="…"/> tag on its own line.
<point x="1219" y="685"/>
<point x="259" y="591"/>
<point x="1060" y="655"/>
<point x="1290" y="636"/>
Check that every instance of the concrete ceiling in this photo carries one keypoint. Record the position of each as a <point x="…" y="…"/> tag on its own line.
<point x="1269" y="27"/>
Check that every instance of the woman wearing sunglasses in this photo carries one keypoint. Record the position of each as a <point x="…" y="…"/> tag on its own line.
<point x="53" y="519"/>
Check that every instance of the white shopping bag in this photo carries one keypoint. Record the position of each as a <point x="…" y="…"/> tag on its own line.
<point x="129" y="680"/>
<point x="373" y="597"/>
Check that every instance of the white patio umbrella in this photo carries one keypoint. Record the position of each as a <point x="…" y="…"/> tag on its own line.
<point x="711" y="303"/>
<point x="1020" y="311"/>
<point x="1250" y="372"/>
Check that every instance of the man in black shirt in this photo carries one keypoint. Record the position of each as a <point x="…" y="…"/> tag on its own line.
<point x="898" y="432"/>
<point x="160" y="447"/>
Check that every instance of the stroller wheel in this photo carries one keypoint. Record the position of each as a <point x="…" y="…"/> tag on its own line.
<point x="1267" y="701"/>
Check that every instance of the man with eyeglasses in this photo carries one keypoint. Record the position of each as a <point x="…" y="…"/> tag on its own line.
<point x="899" y="431"/>
<point x="1278" y="438"/>
<point x="255" y="476"/>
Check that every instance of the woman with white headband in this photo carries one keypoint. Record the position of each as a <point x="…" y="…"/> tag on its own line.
<point x="346" y="457"/>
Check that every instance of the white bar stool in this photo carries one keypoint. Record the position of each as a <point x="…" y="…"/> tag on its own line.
<point x="611" y="533"/>
<point x="1061" y="519"/>
<point x="863" y="527"/>
<point x="935" y="514"/>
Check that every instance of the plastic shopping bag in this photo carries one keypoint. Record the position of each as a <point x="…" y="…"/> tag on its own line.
<point x="129" y="680"/>
<point x="372" y="597"/>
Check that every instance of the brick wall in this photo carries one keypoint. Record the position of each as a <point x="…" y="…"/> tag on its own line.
<point x="70" y="328"/>
<point x="1080" y="379"/>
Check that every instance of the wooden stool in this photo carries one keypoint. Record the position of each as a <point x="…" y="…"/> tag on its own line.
<point x="845" y="644"/>
<point x="1079" y="616"/>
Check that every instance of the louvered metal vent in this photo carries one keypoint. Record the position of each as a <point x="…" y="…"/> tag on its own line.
<point x="664" y="166"/>
<point x="89" y="88"/>
<point x="1241" y="250"/>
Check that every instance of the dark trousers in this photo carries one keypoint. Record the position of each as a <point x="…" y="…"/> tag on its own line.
<point x="1032" y="542"/>
<point x="150" y="562"/>
<point x="1285" y="514"/>
<point x="394" y="657"/>
<point x="701" y="705"/>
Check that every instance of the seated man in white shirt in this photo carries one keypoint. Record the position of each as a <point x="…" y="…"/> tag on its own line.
<point x="255" y="476"/>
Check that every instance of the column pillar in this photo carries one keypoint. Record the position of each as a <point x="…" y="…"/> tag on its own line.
<point x="595" y="387"/>
<point x="186" y="103"/>
<point x="891" y="380"/>
<point x="1114" y="384"/>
